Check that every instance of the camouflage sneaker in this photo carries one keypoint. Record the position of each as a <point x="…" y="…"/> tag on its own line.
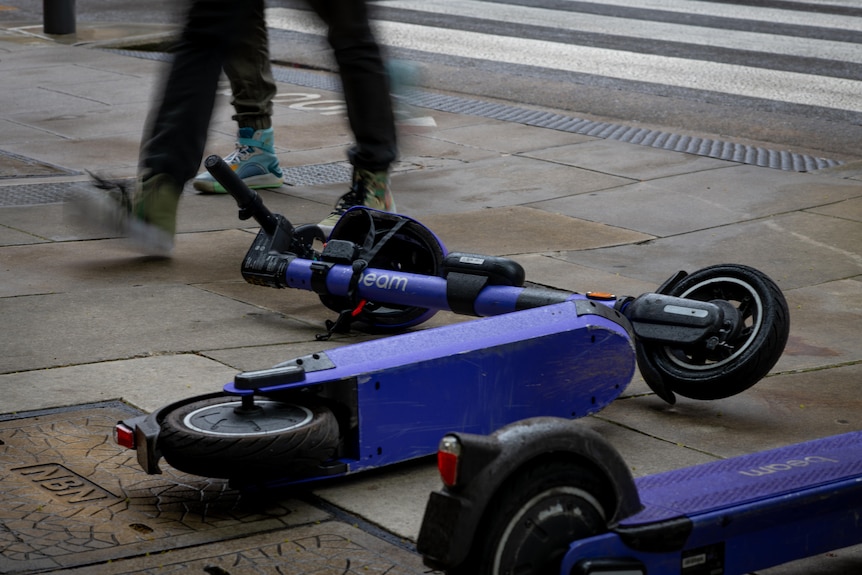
<point x="148" y="218"/>
<point x="253" y="160"/>
<point x="369" y="189"/>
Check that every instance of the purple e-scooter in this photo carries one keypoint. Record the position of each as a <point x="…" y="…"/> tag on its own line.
<point x="534" y="351"/>
<point x="549" y="496"/>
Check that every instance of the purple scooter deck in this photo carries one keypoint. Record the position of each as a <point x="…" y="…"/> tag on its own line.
<point x="747" y="479"/>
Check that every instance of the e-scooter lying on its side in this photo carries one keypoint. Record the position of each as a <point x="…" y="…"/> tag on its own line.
<point x="549" y="496"/>
<point x="539" y="351"/>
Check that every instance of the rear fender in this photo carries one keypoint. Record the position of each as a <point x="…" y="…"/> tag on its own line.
<point x="453" y="514"/>
<point x="147" y="428"/>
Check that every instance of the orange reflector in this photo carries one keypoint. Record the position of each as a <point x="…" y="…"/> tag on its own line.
<point x="124" y="437"/>
<point x="447" y="459"/>
<point x="600" y="295"/>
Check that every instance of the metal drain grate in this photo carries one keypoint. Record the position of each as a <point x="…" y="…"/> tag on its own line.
<point x="722" y="150"/>
<point x="35" y="194"/>
<point x="58" y="192"/>
<point x="318" y="174"/>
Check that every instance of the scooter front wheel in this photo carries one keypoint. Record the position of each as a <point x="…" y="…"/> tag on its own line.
<point x="221" y="437"/>
<point x="740" y="361"/>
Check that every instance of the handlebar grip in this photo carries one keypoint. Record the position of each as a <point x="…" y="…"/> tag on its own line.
<point x="248" y="200"/>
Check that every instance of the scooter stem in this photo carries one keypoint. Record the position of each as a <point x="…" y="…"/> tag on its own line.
<point x="249" y="202"/>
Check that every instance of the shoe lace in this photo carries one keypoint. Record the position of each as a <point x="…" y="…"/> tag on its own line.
<point x="239" y="154"/>
<point x="355" y="197"/>
<point x="117" y="189"/>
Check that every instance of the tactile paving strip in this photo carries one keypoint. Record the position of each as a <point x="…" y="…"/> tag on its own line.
<point x="71" y="497"/>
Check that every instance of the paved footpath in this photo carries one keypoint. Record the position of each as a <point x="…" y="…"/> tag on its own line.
<point x="93" y="332"/>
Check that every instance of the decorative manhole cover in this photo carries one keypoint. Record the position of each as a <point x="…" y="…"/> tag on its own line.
<point x="72" y="497"/>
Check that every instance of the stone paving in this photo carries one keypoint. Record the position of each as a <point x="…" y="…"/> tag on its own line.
<point x="94" y="332"/>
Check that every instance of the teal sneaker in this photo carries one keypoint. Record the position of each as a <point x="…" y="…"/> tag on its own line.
<point x="370" y="189"/>
<point x="253" y="160"/>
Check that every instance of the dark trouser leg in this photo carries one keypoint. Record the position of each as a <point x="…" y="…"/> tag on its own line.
<point x="364" y="80"/>
<point x="176" y="135"/>
<point x="250" y="73"/>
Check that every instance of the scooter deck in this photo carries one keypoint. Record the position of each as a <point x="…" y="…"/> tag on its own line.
<point x="736" y="516"/>
<point x="569" y="360"/>
<point x="747" y="478"/>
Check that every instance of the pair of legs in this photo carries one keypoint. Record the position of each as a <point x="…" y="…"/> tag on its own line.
<point x="232" y="36"/>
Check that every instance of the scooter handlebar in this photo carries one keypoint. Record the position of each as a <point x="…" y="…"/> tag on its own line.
<point x="249" y="202"/>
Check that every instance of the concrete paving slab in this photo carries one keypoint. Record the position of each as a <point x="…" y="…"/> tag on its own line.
<point x="12" y="237"/>
<point x="133" y="86"/>
<point x="521" y="230"/>
<point x="105" y="324"/>
<point x="73" y="498"/>
<point x="12" y="41"/>
<point x="848" y="209"/>
<point x="785" y="247"/>
<point x="200" y="258"/>
<point x="147" y="383"/>
<point x="324" y="155"/>
<point x="626" y="160"/>
<point x="711" y="198"/>
<point x="105" y="33"/>
<point x="13" y="166"/>
<point x="511" y="138"/>
<point x="644" y="454"/>
<point x="558" y="273"/>
<point x="101" y="121"/>
<point x="115" y="155"/>
<point x="498" y="182"/>
<point x="28" y="101"/>
<point x="260" y="357"/>
<point x="835" y="304"/>
<point x="14" y="133"/>
<point x="850" y="170"/>
<point x="432" y="150"/>
<point x="205" y="212"/>
<point x="446" y="120"/>
<point x="395" y="497"/>
<point x="303" y="307"/>
<point x="197" y="213"/>
<point x="779" y="410"/>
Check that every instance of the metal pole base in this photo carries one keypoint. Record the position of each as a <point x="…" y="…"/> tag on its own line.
<point x="58" y="16"/>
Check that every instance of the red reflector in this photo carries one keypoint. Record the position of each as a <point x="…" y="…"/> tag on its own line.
<point x="124" y="437"/>
<point x="447" y="459"/>
<point x="447" y="464"/>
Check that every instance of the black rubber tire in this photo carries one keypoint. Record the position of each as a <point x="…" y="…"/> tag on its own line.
<point x="699" y="373"/>
<point x="281" y="440"/>
<point x="535" y="516"/>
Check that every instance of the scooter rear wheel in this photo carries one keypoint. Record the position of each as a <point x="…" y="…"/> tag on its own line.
<point x="534" y="518"/>
<point x="736" y="364"/>
<point x="219" y="437"/>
